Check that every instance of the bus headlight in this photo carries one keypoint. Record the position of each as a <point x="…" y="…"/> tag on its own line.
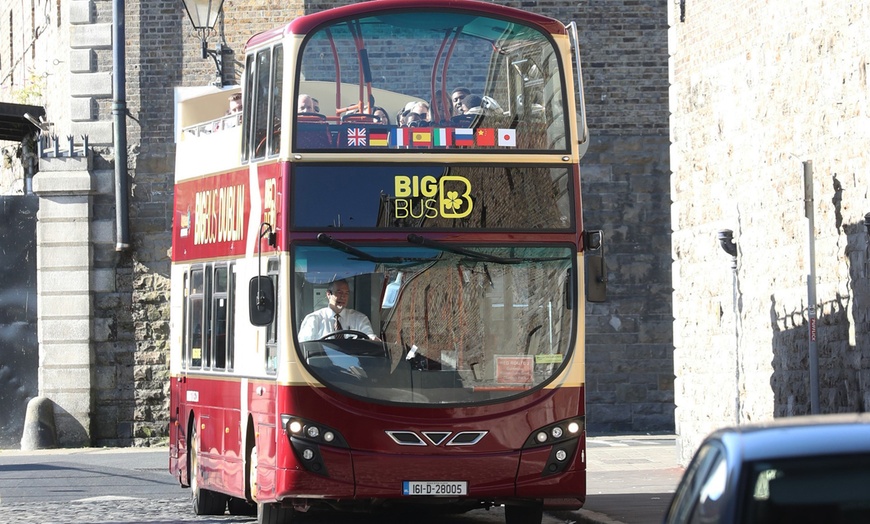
<point x="555" y="433"/>
<point x="311" y="431"/>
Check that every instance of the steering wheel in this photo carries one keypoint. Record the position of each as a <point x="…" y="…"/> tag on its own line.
<point x="357" y="334"/>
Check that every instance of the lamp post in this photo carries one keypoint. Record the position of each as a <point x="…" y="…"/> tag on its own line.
<point x="204" y="15"/>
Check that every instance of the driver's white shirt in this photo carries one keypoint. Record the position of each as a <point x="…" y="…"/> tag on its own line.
<point x="320" y="323"/>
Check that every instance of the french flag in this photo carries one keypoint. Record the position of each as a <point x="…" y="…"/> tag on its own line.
<point x="400" y="137"/>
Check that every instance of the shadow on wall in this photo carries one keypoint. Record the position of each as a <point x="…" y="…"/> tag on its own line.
<point x="842" y="342"/>
<point x="19" y="353"/>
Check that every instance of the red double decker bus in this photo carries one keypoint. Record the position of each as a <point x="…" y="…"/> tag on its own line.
<point x="410" y="168"/>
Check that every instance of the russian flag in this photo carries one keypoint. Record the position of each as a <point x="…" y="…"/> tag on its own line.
<point x="463" y="137"/>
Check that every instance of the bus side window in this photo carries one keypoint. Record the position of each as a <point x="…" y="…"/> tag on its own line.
<point x="220" y="317"/>
<point x="193" y="323"/>
<point x="277" y="90"/>
<point x="261" y="115"/>
<point x="272" y="333"/>
<point x="247" y="110"/>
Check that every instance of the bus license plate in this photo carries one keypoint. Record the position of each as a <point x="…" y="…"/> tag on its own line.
<point x="435" y="488"/>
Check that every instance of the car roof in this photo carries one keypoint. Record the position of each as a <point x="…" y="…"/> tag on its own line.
<point x="817" y="435"/>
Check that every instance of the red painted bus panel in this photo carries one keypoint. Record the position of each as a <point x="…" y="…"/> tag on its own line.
<point x="213" y="215"/>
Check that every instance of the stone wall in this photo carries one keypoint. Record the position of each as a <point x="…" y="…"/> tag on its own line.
<point x="757" y="89"/>
<point x="624" y="52"/>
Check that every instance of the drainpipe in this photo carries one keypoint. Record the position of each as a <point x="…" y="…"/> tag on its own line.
<point x="119" y="112"/>
<point x="811" y="288"/>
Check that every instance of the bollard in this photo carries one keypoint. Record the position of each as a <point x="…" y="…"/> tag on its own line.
<point x="39" y="430"/>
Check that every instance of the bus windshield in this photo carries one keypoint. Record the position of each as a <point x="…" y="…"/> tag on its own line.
<point x="430" y="80"/>
<point x="445" y="324"/>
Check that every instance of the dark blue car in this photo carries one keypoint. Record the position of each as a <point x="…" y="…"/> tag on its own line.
<point x="796" y="470"/>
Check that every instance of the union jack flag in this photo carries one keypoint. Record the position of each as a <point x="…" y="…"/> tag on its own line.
<point x="356" y="136"/>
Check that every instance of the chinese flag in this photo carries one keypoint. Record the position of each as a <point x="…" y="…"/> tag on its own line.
<point x="486" y="137"/>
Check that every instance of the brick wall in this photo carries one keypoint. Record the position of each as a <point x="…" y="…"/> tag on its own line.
<point x="757" y="89"/>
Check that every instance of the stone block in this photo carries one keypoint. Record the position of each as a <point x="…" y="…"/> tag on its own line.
<point x="62" y="282"/>
<point x="61" y="208"/>
<point x="66" y="355"/>
<point x="69" y="387"/>
<point x="56" y="183"/>
<point x="103" y="280"/>
<point x="98" y="133"/>
<point x="104" y="181"/>
<point x="59" y="257"/>
<point x="66" y="305"/>
<point x="64" y="330"/>
<point x="90" y="35"/>
<point x="81" y="60"/>
<point x="81" y="12"/>
<point x="91" y="84"/>
<point x="72" y="234"/>
<point x="103" y="232"/>
<point x="81" y="109"/>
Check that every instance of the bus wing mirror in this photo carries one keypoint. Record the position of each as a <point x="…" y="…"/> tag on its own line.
<point x="261" y="306"/>
<point x="596" y="270"/>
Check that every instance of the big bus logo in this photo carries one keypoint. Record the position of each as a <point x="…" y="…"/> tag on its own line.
<point x="428" y="197"/>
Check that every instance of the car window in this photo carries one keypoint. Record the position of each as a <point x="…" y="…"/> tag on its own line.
<point x="830" y="488"/>
<point x="710" y="504"/>
<point x="688" y="492"/>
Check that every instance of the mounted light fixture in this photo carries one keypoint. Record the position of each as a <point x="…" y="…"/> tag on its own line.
<point x="204" y="15"/>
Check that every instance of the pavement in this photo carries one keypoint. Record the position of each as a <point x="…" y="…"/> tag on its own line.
<point x="629" y="479"/>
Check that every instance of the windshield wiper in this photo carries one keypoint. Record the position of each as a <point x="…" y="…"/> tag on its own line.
<point x="441" y="246"/>
<point x="327" y="240"/>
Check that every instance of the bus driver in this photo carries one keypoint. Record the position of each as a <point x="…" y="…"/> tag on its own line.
<point x="335" y="317"/>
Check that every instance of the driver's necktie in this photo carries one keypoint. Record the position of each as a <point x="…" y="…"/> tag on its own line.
<point x="338" y="327"/>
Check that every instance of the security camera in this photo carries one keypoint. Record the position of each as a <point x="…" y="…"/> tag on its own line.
<point x="726" y="241"/>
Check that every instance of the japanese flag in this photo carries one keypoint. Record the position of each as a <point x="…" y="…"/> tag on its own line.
<point x="507" y="137"/>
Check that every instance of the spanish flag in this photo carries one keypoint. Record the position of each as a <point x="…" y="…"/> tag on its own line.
<point x="422" y="138"/>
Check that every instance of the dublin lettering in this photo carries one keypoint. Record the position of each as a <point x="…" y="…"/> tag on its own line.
<point x="220" y="215"/>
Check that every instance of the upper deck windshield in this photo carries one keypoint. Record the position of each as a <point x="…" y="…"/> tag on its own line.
<point x="455" y="325"/>
<point x="430" y="80"/>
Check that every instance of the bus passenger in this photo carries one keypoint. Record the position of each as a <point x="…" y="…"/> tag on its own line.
<point x="306" y="104"/>
<point x="381" y="115"/>
<point x="458" y="95"/>
<point x="335" y="317"/>
<point x="235" y="104"/>
<point x="472" y="105"/>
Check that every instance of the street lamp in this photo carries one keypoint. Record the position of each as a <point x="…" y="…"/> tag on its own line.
<point x="204" y="15"/>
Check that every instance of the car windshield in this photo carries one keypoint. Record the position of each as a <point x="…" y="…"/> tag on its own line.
<point x="815" y="489"/>
<point x="444" y="324"/>
<point x="430" y="81"/>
